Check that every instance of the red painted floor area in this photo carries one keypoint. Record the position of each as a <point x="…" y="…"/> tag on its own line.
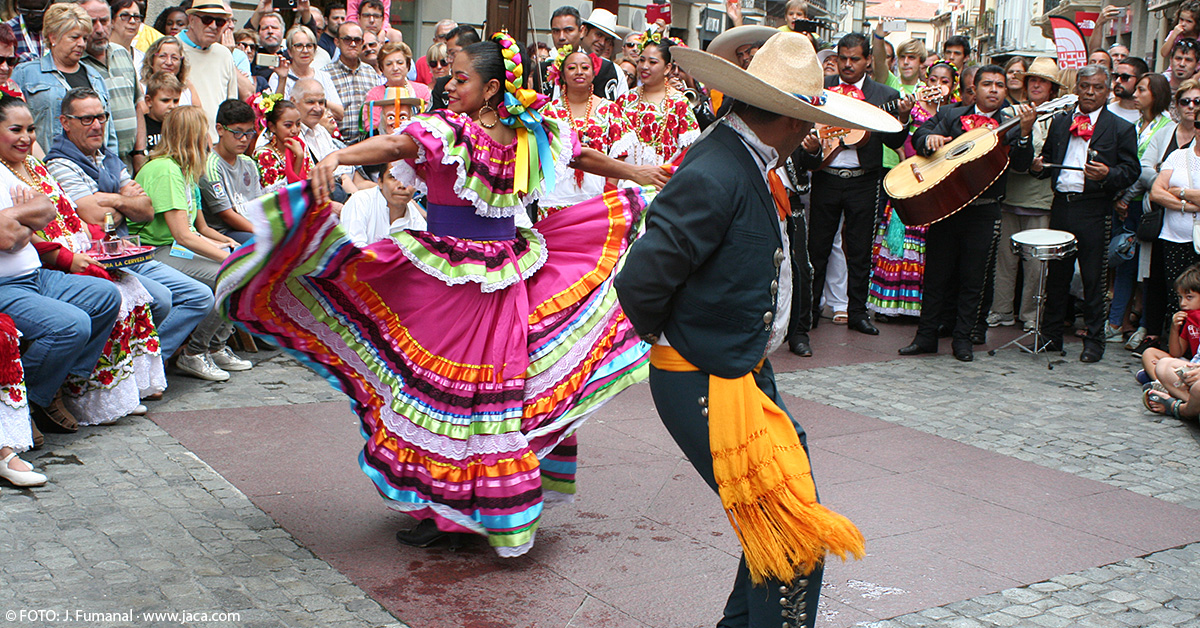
<point x="647" y="544"/>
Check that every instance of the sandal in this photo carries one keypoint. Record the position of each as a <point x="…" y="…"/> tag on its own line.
<point x="841" y="318"/>
<point x="1171" y="406"/>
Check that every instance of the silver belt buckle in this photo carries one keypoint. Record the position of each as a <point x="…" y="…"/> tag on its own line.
<point x="845" y="173"/>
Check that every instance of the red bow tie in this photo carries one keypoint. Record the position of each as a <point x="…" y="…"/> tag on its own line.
<point x="847" y="89"/>
<point x="974" y="121"/>
<point x="1082" y="127"/>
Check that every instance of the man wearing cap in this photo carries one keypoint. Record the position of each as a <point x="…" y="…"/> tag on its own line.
<point x="601" y="27"/>
<point x="846" y="191"/>
<point x="959" y="248"/>
<point x="709" y="285"/>
<point x="212" y="71"/>
<point x="1026" y="205"/>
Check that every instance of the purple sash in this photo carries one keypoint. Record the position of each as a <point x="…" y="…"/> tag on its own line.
<point x="461" y="221"/>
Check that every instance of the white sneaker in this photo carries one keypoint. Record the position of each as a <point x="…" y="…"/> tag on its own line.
<point x="228" y="360"/>
<point x="995" y="319"/>
<point x="1112" y="333"/>
<point x="201" y="366"/>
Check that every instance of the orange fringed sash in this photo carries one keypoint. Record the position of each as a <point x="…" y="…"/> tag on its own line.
<point x="765" y="481"/>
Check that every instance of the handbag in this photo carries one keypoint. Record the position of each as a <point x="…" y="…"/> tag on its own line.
<point x="1151" y="223"/>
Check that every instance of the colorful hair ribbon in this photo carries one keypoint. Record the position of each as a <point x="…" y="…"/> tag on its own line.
<point x="521" y="111"/>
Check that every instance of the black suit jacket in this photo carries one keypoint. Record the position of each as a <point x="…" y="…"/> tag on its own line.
<point x="705" y="272"/>
<point x="1115" y="144"/>
<point x="870" y="155"/>
<point x="948" y="122"/>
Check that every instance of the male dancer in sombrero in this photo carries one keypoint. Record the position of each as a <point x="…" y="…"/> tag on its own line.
<point x="709" y="285"/>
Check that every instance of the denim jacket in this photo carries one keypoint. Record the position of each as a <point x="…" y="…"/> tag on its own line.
<point x="44" y="87"/>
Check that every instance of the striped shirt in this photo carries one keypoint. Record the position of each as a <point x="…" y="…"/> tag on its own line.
<point x="120" y="78"/>
<point x="352" y="87"/>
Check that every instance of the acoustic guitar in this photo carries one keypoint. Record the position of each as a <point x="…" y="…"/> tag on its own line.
<point x="836" y="139"/>
<point x="925" y="190"/>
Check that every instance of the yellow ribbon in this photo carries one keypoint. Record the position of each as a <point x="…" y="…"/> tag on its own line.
<point x="521" y="176"/>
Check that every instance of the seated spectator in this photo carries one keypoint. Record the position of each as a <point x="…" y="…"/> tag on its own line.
<point x="166" y="55"/>
<point x="281" y="156"/>
<point x="353" y="78"/>
<point x="17" y="432"/>
<point x="115" y="64"/>
<point x="300" y="45"/>
<point x="184" y="240"/>
<point x="65" y="319"/>
<point x="230" y="178"/>
<point x="1172" y="393"/>
<point x="162" y="95"/>
<point x="98" y="183"/>
<point x="395" y="61"/>
<point x="309" y="97"/>
<point x="372" y="214"/>
<point x="46" y="80"/>
<point x="214" y="73"/>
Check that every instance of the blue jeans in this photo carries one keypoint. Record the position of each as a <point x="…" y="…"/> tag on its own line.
<point x="66" y="319"/>
<point x="180" y="302"/>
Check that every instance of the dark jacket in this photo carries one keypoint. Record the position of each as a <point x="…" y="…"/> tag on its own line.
<point x="948" y="122"/>
<point x="1115" y="144"/>
<point x="706" y="271"/>
<point x="870" y="155"/>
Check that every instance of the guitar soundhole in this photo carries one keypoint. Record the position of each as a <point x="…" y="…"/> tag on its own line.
<point x="961" y="150"/>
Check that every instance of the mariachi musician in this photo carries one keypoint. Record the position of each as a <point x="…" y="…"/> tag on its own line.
<point x="958" y="248"/>
<point x="1098" y="154"/>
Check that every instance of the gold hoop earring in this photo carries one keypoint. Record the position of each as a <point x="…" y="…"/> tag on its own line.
<point x="491" y="110"/>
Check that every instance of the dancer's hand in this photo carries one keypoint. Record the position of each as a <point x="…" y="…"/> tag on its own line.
<point x="651" y="175"/>
<point x="322" y="177"/>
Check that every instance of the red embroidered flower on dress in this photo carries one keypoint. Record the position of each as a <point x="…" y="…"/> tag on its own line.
<point x="105" y="378"/>
<point x="16" y="395"/>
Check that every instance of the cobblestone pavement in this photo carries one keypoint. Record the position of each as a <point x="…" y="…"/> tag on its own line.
<point x="133" y="520"/>
<point x="1079" y="418"/>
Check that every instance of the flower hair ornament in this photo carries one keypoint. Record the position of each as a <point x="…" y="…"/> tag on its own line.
<point x="521" y="111"/>
<point x="953" y="96"/>
<point x="555" y="70"/>
<point x="262" y="104"/>
<point x="654" y="37"/>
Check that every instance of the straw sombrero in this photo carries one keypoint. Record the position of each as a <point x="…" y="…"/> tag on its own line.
<point x="1044" y="67"/>
<point x="785" y="78"/>
<point x="726" y="44"/>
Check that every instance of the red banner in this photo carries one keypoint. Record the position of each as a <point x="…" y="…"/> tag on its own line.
<point x="1071" y="44"/>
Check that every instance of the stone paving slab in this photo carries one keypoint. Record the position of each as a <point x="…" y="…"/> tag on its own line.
<point x="132" y="522"/>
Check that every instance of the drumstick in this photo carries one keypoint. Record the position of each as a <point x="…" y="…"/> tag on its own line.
<point x="1062" y="166"/>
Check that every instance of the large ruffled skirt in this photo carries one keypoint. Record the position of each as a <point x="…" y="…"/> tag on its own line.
<point x="898" y="268"/>
<point x="469" y="363"/>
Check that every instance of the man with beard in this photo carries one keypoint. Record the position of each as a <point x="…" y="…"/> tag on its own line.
<point x="115" y="64"/>
<point x="27" y="26"/>
<point x="1184" y="55"/>
<point x="1128" y="73"/>
<point x="567" y="28"/>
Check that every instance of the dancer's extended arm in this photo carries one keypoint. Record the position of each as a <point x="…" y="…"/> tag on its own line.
<point x="595" y="162"/>
<point x="383" y="149"/>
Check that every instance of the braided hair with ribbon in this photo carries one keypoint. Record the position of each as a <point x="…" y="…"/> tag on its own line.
<point x="519" y="109"/>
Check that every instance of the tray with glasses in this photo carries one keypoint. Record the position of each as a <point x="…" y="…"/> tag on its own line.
<point x="121" y="252"/>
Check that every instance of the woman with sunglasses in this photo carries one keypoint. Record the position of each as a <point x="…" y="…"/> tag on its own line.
<point x="45" y="81"/>
<point x="8" y="62"/>
<point x="131" y="367"/>
<point x="439" y="61"/>
<point x="473" y="350"/>
<point x="166" y="55"/>
<point x="1172" y="250"/>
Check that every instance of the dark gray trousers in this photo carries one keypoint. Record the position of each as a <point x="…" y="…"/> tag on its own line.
<point x="677" y="397"/>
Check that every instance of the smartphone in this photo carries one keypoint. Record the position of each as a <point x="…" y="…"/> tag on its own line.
<point x="266" y="60"/>
<point x="895" y="26"/>
<point x="655" y="12"/>
<point x="805" y="26"/>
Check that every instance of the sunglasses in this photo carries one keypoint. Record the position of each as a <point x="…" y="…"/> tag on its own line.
<point x="1123" y="76"/>
<point x="241" y="135"/>
<point x="89" y="120"/>
<point x="11" y="61"/>
<point x="352" y="40"/>
<point x="208" y="20"/>
<point x="439" y="64"/>
<point x="1189" y="102"/>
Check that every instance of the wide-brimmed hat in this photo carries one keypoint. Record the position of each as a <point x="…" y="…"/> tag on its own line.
<point x="210" y="7"/>
<point x="785" y="78"/>
<point x="726" y="44"/>
<point x="605" y="22"/>
<point x="1044" y="67"/>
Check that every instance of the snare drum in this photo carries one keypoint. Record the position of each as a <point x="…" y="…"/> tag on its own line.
<point x="1043" y="244"/>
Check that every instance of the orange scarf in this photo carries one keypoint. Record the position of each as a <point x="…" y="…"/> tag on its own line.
<point x="764" y="479"/>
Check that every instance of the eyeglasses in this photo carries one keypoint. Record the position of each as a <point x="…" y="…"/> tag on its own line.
<point x="89" y="120"/>
<point x="11" y="61"/>
<point x="373" y="16"/>
<point x="241" y="135"/>
<point x="208" y="20"/>
<point x="129" y="18"/>
<point x="1189" y="102"/>
<point x="355" y="41"/>
<point x="1123" y="76"/>
<point x="303" y="46"/>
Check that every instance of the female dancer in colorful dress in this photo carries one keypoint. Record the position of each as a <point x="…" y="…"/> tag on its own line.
<point x="470" y="351"/>
<point x="599" y="123"/>
<point x="660" y="115"/>
<point x="130" y="367"/>
<point x="898" y="273"/>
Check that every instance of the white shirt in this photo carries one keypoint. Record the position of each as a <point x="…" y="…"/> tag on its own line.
<point x="1072" y="180"/>
<point x="848" y="157"/>
<point x="365" y="217"/>
<point x="320" y="143"/>
<point x="320" y="76"/>
<point x="25" y="260"/>
<point x="1129" y="115"/>
<point x="1177" y="225"/>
